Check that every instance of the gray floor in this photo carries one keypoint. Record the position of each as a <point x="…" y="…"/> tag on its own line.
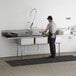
<point x="49" y="69"/>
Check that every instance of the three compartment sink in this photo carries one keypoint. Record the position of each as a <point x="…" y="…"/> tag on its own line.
<point x="26" y="32"/>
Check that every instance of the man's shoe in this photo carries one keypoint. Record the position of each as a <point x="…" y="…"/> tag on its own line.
<point x="51" y="57"/>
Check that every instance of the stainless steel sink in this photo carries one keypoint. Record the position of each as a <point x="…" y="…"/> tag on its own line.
<point x="26" y="32"/>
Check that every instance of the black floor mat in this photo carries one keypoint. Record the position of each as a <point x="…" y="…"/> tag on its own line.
<point x="41" y="60"/>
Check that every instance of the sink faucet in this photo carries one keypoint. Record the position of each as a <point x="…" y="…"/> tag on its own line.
<point x="34" y="9"/>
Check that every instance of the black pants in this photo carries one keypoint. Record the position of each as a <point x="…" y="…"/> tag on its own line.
<point x="51" y="42"/>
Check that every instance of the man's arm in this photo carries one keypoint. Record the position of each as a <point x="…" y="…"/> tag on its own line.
<point x="46" y="29"/>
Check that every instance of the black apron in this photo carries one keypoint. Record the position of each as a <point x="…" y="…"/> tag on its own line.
<point x="50" y="36"/>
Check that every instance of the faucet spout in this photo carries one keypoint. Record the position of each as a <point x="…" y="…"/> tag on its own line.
<point x="34" y="9"/>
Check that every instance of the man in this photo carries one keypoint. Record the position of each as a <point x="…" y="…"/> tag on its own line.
<point x="52" y="36"/>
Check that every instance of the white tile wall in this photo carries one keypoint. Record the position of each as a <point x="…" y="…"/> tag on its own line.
<point x="14" y="14"/>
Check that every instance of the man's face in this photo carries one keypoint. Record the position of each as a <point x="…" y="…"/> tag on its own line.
<point x="49" y="20"/>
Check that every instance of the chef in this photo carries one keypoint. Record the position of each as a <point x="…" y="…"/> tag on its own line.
<point x="51" y="27"/>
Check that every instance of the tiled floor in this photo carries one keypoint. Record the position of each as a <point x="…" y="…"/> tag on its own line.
<point x="48" y="69"/>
